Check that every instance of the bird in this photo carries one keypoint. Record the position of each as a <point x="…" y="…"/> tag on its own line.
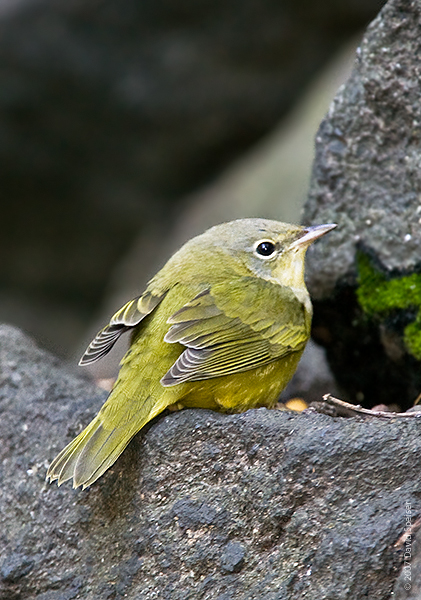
<point x="221" y="326"/>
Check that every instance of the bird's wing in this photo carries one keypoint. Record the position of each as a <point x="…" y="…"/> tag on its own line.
<point x="130" y="315"/>
<point x="235" y="326"/>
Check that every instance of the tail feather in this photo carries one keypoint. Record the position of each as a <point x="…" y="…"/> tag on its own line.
<point x="62" y="467"/>
<point x="99" y="453"/>
<point x="98" y="446"/>
<point x="90" y="454"/>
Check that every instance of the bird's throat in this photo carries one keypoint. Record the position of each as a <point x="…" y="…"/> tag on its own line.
<point x="290" y="273"/>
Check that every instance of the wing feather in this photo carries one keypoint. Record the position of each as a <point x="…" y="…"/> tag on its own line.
<point x="130" y="315"/>
<point x="233" y="327"/>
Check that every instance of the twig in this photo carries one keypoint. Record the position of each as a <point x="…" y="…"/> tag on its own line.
<point x="357" y="409"/>
<point x="408" y="532"/>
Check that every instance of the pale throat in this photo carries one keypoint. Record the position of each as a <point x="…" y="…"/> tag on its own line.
<point x="293" y="276"/>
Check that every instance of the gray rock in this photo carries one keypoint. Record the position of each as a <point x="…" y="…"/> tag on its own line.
<point x="367" y="149"/>
<point x="15" y="566"/>
<point x="366" y="177"/>
<point x="265" y="504"/>
<point x="232" y="559"/>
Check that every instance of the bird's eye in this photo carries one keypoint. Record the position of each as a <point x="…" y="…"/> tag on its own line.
<point x="265" y="249"/>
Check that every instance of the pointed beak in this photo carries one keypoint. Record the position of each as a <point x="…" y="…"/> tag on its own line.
<point x="311" y="234"/>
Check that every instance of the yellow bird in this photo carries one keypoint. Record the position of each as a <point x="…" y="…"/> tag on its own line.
<point x="221" y="326"/>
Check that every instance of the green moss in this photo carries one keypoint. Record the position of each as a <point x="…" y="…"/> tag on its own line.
<point x="378" y="296"/>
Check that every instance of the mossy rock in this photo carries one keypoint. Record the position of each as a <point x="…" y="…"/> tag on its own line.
<point x="371" y="329"/>
<point x="381" y="296"/>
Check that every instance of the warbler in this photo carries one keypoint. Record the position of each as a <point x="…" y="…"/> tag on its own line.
<point x="221" y="326"/>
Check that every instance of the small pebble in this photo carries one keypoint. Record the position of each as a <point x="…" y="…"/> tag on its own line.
<point x="297" y="404"/>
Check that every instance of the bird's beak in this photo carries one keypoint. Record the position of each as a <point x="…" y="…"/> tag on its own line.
<point x="311" y="234"/>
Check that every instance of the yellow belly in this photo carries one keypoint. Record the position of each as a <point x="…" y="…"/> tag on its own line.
<point x="239" y="392"/>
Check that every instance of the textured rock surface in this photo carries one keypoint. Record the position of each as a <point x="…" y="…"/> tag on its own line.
<point x="111" y="111"/>
<point x="266" y="504"/>
<point x="366" y="177"/>
<point x="368" y="152"/>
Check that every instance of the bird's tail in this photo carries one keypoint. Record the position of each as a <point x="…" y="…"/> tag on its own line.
<point x="98" y="446"/>
<point x="88" y="456"/>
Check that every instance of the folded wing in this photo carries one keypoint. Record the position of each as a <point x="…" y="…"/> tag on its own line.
<point x="233" y="327"/>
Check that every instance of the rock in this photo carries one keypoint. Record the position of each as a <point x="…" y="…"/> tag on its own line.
<point x="366" y="177"/>
<point x="15" y="566"/>
<point x="232" y="558"/>
<point x="265" y="504"/>
<point x="113" y="111"/>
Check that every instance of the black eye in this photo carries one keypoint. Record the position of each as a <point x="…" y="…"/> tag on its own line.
<point x="266" y="248"/>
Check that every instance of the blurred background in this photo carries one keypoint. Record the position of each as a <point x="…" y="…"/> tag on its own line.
<point x="128" y="126"/>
